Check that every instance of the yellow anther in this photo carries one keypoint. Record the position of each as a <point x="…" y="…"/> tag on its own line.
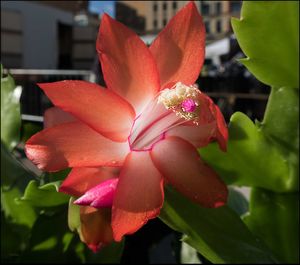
<point x="176" y="97"/>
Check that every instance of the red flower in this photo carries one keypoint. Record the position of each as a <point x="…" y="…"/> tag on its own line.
<point x="147" y="125"/>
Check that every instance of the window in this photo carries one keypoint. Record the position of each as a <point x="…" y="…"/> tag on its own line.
<point x="218" y="8"/>
<point x="207" y="27"/>
<point x="155" y="7"/>
<point x="164" y="5"/>
<point x="219" y="26"/>
<point x="235" y="6"/>
<point x="165" y="21"/>
<point x="174" y="5"/>
<point x="155" y="24"/>
<point x="204" y="8"/>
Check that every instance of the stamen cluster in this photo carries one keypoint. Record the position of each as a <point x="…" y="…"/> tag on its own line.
<point x="176" y="97"/>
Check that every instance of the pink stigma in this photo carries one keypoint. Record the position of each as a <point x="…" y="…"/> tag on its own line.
<point x="188" y="105"/>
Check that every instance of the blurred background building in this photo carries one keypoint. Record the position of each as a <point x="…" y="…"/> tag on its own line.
<point x="149" y="17"/>
<point x="37" y="34"/>
<point x="44" y="41"/>
<point x="61" y="34"/>
<point x="48" y="34"/>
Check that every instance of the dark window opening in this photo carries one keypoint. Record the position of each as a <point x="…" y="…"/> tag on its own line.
<point x="164" y="6"/>
<point x="207" y="26"/>
<point x="174" y="5"/>
<point x="165" y="21"/>
<point x="219" y="26"/>
<point x="155" y="7"/>
<point x="155" y="23"/>
<point x="64" y="46"/>
<point x="204" y="8"/>
<point x="235" y="6"/>
<point x="218" y="8"/>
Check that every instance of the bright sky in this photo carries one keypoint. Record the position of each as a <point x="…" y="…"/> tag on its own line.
<point x="101" y="7"/>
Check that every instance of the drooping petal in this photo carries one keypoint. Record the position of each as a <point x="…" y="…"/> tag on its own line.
<point x="81" y="179"/>
<point x="54" y="116"/>
<point x="73" y="145"/>
<point x="211" y="126"/>
<point x="211" y="112"/>
<point x="101" y="195"/>
<point x="139" y="194"/>
<point x="179" y="162"/>
<point x="100" y="108"/>
<point x="179" y="49"/>
<point x="128" y="66"/>
<point x="96" y="230"/>
<point x="222" y="131"/>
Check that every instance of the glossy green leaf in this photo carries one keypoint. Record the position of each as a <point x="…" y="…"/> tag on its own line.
<point x="44" y="196"/>
<point x="275" y="219"/>
<point x="14" y="178"/>
<point x="10" y="112"/>
<point x="18" y="212"/>
<point x="281" y="120"/>
<point x="51" y="240"/>
<point x="281" y="126"/>
<point x="12" y="171"/>
<point x="74" y="215"/>
<point x="14" y="239"/>
<point x="268" y="33"/>
<point x="251" y="159"/>
<point x="218" y="234"/>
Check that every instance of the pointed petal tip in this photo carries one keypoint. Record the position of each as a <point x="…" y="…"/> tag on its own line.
<point x="189" y="175"/>
<point x="63" y="189"/>
<point x="84" y="200"/>
<point x="117" y="237"/>
<point x="44" y="86"/>
<point x="191" y="4"/>
<point x="106" y="17"/>
<point x="95" y="248"/>
<point x="141" y="184"/>
<point x="183" y="44"/>
<point x="100" y="196"/>
<point x="134" y="61"/>
<point x="119" y="232"/>
<point x="219" y="204"/>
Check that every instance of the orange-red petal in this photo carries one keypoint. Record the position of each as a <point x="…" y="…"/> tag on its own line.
<point x="128" y="66"/>
<point x="96" y="229"/>
<point x="81" y="179"/>
<point x="179" y="162"/>
<point x="179" y="49"/>
<point x="199" y="136"/>
<point x="54" y="116"/>
<point x="73" y="144"/>
<point x="139" y="195"/>
<point x="100" y="108"/>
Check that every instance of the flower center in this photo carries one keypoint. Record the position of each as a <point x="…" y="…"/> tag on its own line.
<point x="171" y="107"/>
<point x="183" y="100"/>
<point x="188" y="105"/>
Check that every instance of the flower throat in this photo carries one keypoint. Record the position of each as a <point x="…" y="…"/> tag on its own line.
<point x="170" y="108"/>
